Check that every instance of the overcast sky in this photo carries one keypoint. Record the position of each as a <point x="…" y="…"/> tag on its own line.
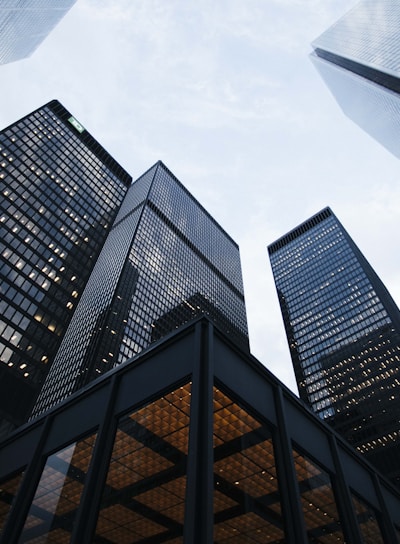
<point x="223" y="92"/>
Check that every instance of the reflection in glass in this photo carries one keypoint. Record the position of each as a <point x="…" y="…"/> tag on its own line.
<point x="246" y="497"/>
<point x="8" y="490"/>
<point x="52" y="513"/>
<point x="318" y="502"/>
<point x="367" y="522"/>
<point x="144" y="495"/>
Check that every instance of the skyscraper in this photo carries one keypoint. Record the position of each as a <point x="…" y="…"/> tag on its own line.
<point x="60" y="191"/>
<point x="24" y="24"/>
<point x="359" y="59"/>
<point x="165" y="261"/>
<point x="343" y="330"/>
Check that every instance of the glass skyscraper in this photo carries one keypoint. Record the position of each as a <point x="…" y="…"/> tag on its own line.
<point x="24" y="24"/>
<point x="60" y="192"/>
<point x="359" y="59"/>
<point x="165" y="261"/>
<point x="343" y="330"/>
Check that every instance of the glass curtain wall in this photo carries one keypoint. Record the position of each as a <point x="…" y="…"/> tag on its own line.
<point x="53" y="510"/>
<point x="318" y="501"/>
<point x="246" y="496"/>
<point x="8" y="491"/>
<point x="144" y="495"/>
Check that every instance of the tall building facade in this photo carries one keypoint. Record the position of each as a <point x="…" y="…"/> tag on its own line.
<point x="60" y="192"/>
<point x="359" y="59"/>
<point x="24" y="24"/>
<point x="165" y="261"/>
<point x="343" y="330"/>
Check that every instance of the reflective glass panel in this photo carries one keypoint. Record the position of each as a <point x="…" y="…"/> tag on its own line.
<point x="246" y="496"/>
<point x="144" y="495"/>
<point x="52" y="513"/>
<point x="8" y="490"/>
<point x="318" y="502"/>
<point x="367" y="522"/>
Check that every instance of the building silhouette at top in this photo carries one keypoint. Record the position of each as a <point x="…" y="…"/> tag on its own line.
<point x="60" y="192"/>
<point x="343" y="330"/>
<point x="24" y="24"/>
<point x="165" y="261"/>
<point x="359" y="59"/>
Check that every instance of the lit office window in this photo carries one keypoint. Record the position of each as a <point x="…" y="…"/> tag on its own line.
<point x="54" y="506"/>
<point x="246" y="496"/>
<point x="318" y="502"/>
<point x="144" y="495"/>
<point x="367" y="522"/>
<point x="8" y="490"/>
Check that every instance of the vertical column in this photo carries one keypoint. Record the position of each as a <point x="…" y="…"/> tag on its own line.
<point x="85" y="522"/>
<point x="27" y="490"/>
<point x="200" y="486"/>
<point x="294" y="519"/>
<point x="343" y="499"/>
<point x="389" y="533"/>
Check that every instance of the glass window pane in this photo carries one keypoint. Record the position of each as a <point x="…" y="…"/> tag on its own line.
<point x="8" y="490"/>
<point x="144" y="495"/>
<point x="52" y="513"/>
<point x="246" y="496"/>
<point x="318" y="502"/>
<point x="367" y="522"/>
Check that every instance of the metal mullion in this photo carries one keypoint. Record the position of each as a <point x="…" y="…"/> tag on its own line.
<point x="26" y="492"/>
<point x="86" y="520"/>
<point x="198" y="528"/>
<point x="344" y="500"/>
<point x="387" y="526"/>
<point x="290" y="494"/>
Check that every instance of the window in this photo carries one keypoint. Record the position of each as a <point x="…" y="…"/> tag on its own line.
<point x="58" y="494"/>
<point x="318" y="502"/>
<point x="8" y="491"/>
<point x="246" y="496"/>
<point x="367" y="522"/>
<point x="144" y="495"/>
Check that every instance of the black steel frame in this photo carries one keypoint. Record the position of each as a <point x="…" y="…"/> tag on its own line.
<point x="203" y="354"/>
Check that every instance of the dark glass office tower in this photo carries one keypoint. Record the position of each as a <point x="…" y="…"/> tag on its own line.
<point x="60" y="192"/>
<point x="165" y="261"/>
<point x="359" y="59"/>
<point x="343" y="330"/>
<point x="24" y="24"/>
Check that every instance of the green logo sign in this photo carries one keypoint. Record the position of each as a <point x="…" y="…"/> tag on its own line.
<point x="76" y="124"/>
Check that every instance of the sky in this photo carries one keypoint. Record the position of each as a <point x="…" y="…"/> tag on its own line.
<point x="223" y="92"/>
